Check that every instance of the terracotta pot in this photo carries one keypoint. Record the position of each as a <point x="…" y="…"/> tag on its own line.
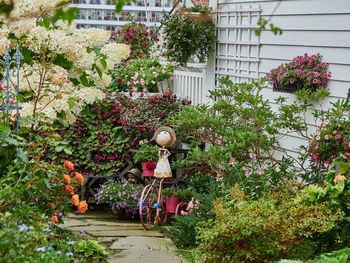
<point x="146" y="170"/>
<point x="171" y="203"/>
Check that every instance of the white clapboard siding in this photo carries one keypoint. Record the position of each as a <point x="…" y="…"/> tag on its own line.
<point x="309" y="26"/>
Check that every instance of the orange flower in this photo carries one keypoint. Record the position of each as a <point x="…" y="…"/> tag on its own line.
<point x="82" y="206"/>
<point x="29" y="185"/>
<point x="79" y="178"/>
<point x="75" y="199"/>
<point x="339" y="177"/>
<point x="66" y="179"/>
<point x="68" y="165"/>
<point x="69" y="190"/>
<point x="54" y="219"/>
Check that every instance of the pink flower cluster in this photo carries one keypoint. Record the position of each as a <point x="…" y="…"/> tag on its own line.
<point x="329" y="142"/>
<point x="138" y="36"/>
<point x="308" y="71"/>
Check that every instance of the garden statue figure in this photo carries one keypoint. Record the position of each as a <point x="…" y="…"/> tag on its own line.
<point x="165" y="137"/>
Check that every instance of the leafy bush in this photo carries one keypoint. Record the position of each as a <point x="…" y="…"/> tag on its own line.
<point x="332" y="137"/>
<point x="97" y="141"/>
<point x="183" y="229"/>
<point x="243" y="132"/>
<point x="141" y="75"/>
<point x="186" y="37"/>
<point x="147" y="153"/>
<point x="141" y="117"/>
<point x="265" y="229"/>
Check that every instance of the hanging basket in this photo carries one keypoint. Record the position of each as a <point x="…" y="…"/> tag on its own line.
<point x="196" y="16"/>
<point x="291" y="88"/>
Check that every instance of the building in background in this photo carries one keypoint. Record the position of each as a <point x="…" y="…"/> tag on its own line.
<point x="101" y="13"/>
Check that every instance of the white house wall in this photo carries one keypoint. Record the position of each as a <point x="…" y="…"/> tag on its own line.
<point x="309" y="26"/>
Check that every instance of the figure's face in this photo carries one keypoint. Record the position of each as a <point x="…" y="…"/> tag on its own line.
<point x="163" y="138"/>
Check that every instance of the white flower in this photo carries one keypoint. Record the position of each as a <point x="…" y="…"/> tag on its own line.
<point x="116" y="52"/>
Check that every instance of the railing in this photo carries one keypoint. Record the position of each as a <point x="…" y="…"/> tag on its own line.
<point x="190" y="82"/>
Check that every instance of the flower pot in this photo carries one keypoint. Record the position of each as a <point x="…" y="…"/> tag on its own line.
<point x="291" y="88"/>
<point x="171" y="203"/>
<point x="148" y="168"/>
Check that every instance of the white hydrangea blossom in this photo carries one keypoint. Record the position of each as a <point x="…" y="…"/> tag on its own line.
<point x="116" y="52"/>
<point x="93" y="37"/>
<point x="50" y="84"/>
<point x="90" y="95"/>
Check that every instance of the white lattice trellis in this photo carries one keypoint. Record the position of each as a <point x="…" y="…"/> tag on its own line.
<point x="237" y="53"/>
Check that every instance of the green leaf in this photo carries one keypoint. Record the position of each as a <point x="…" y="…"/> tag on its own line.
<point x="67" y="15"/>
<point x="67" y="151"/>
<point x="59" y="149"/>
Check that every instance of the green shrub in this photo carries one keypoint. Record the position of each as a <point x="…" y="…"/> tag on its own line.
<point x="147" y="153"/>
<point x="243" y="132"/>
<point x="262" y="230"/>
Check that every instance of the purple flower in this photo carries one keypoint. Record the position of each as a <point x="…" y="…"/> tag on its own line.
<point x="70" y="243"/>
<point x="69" y="254"/>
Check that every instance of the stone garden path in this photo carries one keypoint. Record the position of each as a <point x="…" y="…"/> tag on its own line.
<point x="127" y="240"/>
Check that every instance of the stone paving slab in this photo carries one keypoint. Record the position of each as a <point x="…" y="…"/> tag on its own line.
<point x="133" y="243"/>
<point x="74" y="223"/>
<point x="146" y="250"/>
<point x="124" y="233"/>
<point x="111" y="222"/>
<point x="92" y="215"/>
<point x="104" y="228"/>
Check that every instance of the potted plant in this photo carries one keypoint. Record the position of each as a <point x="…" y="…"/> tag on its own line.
<point x="123" y="198"/>
<point x="173" y="196"/>
<point x="306" y="75"/>
<point x="147" y="155"/>
<point x="189" y="33"/>
<point x="142" y="75"/>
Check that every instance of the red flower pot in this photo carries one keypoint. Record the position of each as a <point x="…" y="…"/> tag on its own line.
<point x="148" y="168"/>
<point x="171" y="202"/>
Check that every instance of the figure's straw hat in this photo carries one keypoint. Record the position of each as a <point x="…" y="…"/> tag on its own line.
<point x="170" y="131"/>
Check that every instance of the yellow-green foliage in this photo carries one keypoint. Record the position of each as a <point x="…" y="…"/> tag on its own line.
<point x="262" y="230"/>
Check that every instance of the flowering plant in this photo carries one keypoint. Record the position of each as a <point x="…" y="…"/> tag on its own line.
<point x="63" y="67"/>
<point x="120" y="195"/>
<point x="147" y="153"/>
<point x="187" y="36"/>
<point x="96" y="140"/>
<point x="330" y="141"/>
<point x="306" y="73"/>
<point x="138" y="36"/>
<point x="141" y="117"/>
<point x="141" y="75"/>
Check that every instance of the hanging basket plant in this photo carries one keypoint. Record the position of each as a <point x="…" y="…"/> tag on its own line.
<point x="189" y="33"/>
<point x="307" y="76"/>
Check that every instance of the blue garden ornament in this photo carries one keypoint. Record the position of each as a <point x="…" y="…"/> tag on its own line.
<point x="10" y="87"/>
<point x="156" y="205"/>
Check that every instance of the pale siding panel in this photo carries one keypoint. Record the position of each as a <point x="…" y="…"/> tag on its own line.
<point x="287" y="53"/>
<point x="292" y="7"/>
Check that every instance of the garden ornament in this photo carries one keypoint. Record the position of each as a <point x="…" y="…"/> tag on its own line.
<point x="133" y="176"/>
<point x="165" y="137"/>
